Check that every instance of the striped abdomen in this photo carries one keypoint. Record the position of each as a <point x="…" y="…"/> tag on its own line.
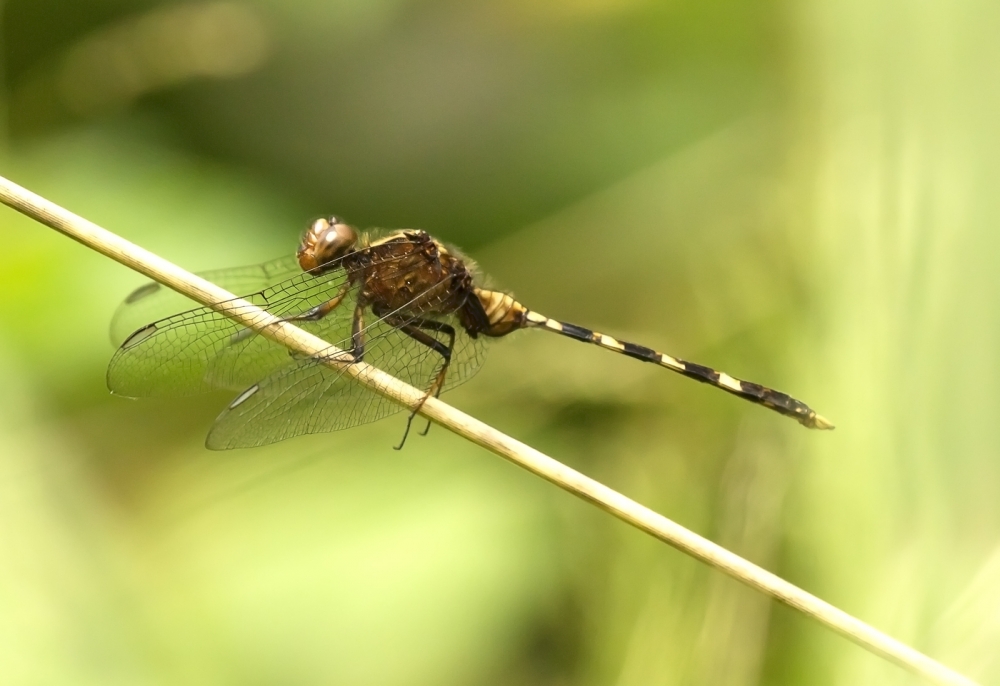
<point x="503" y="313"/>
<point x="768" y="397"/>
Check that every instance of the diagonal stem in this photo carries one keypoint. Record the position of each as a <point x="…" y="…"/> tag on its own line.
<point x="522" y="455"/>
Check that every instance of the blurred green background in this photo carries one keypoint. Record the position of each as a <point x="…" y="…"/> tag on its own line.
<point x="800" y="192"/>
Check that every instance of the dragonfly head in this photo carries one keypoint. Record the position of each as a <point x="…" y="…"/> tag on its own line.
<point x="326" y="240"/>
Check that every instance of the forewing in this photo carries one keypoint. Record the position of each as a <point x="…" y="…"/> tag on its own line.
<point x="153" y="301"/>
<point x="310" y="397"/>
<point x="202" y="349"/>
<point x="178" y="355"/>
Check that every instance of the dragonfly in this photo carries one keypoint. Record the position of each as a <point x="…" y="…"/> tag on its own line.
<point x="401" y="301"/>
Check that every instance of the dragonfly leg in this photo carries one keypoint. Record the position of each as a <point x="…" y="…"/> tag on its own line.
<point x="313" y="314"/>
<point x="357" y="351"/>
<point x="358" y="333"/>
<point x="413" y="329"/>
<point x="450" y="332"/>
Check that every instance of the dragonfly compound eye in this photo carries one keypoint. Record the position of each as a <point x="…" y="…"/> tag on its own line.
<point x="325" y="241"/>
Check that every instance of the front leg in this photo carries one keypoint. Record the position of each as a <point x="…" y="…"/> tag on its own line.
<point x="314" y="314"/>
<point x="358" y="332"/>
<point x="357" y="351"/>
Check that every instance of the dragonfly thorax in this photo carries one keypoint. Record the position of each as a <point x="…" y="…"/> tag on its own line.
<point x="410" y="272"/>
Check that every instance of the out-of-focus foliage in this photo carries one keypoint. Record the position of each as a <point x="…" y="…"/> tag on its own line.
<point x="800" y="193"/>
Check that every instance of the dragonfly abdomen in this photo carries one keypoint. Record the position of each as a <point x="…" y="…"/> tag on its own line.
<point x="501" y="314"/>
<point x="754" y="392"/>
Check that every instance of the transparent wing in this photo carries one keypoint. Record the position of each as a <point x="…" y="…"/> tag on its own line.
<point x="202" y="349"/>
<point x="152" y="301"/>
<point x="309" y="397"/>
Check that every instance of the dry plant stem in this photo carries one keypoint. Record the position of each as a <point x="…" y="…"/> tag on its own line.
<point x="520" y="454"/>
